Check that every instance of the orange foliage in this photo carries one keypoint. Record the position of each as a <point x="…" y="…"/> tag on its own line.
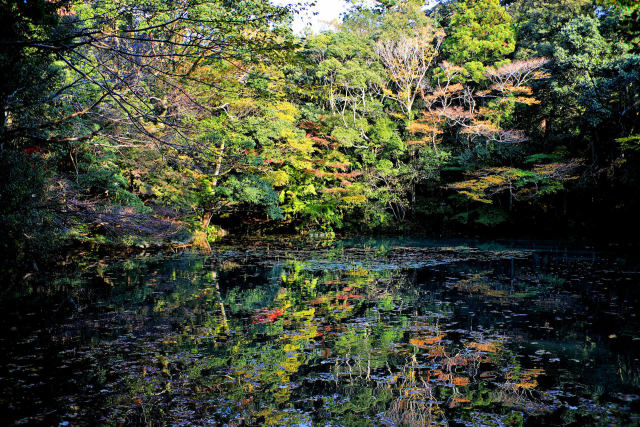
<point x="437" y="351"/>
<point x="421" y="127"/>
<point x="461" y="381"/>
<point x="350" y="296"/>
<point x="425" y="342"/>
<point x="448" y="90"/>
<point x="525" y="380"/>
<point x="526" y="100"/>
<point x="318" y="173"/>
<point x="487" y="347"/>
<point x="350" y="175"/>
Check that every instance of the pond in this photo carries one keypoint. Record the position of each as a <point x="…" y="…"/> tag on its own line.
<point x="362" y="332"/>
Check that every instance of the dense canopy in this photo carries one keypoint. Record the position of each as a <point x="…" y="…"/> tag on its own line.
<point x="130" y="124"/>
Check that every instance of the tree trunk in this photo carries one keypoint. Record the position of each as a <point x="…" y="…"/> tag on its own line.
<point x="206" y="217"/>
<point x="218" y="165"/>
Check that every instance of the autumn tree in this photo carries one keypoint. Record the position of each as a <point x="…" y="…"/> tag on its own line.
<point x="408" y="60"/>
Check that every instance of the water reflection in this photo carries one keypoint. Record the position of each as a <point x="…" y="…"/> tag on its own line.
<point x="357" y="333"/>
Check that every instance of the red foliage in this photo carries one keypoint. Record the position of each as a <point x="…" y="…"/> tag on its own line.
<point x="320" y="141"/>
<point x="345" y="175"/>
<point x="272" y="161"/>
<point x="268" y="316"/>
<point x="317" y="301"/>
<point x="32" y="150"/>
<point x="338" y="165"/>
<point x="310" y="126"/>
<point x="318" y="173"/>
<point x="350" y="296"/>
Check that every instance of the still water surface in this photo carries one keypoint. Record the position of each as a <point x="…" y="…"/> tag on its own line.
<point x="369" y="332"/>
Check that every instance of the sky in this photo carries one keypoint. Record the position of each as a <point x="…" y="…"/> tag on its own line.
<point x="327" y="11"/>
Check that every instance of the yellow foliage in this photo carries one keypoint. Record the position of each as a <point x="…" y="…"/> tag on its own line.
<point x="494" y="179"/>
<point x="243" y="107"/>
<point x="527" y="100"/>
<point x="541" y="75"/>
<point x="271" y="416"/>
<point x="286" y="111"/>
<point x="292" y="364"/>
<point x="522" y="90"/>
<point x="305" y="313"/>
<point x="300" y="145"/>
<point x="278" y="178"/>
<point x="387" y="92"/>
<point x="282" y="395"/>
<point x="299" y="163"/>
<point x="482" y="127"/>
<point x="358" y="272"/>
<point x="563" y="171"/>
<point x="421" y="127"/>
<point x="358" y="199"/>
<point x="398" y="116"/>
<point x="475" y="197"/>
<point x="290" y="348"/>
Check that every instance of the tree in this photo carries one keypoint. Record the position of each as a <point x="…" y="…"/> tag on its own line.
<point x="408" y="60"/>
<point x="480" y="34"/>
<point x="519" y="184"/>
<point x="109" y="49"/>
<point x="538" y="22"/>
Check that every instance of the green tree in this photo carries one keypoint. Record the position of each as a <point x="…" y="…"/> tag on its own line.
<point x="538" y="23"/>
<point x="480" y="34"/>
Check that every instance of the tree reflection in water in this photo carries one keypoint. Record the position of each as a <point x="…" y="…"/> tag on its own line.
<point x="346" y="335"/>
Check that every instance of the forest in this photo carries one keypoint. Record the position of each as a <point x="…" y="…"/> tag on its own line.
<point x="427" y="215"/>
<point x="158" y="123"/>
